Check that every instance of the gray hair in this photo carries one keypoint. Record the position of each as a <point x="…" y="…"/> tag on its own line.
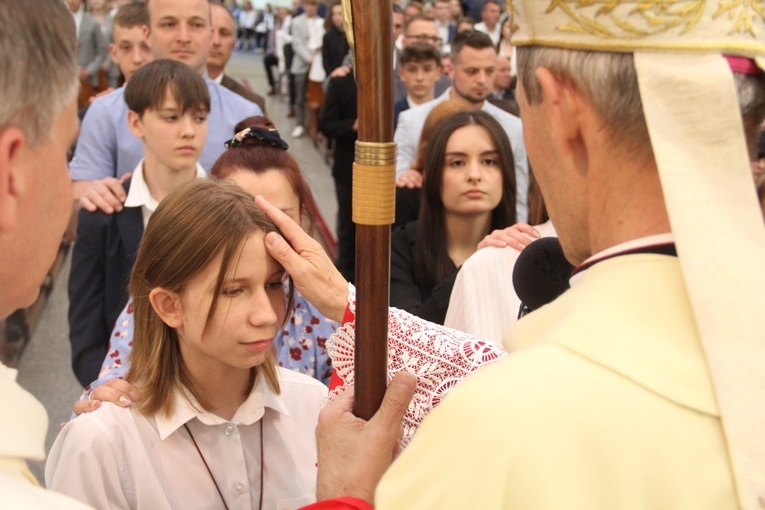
<point x="608" y="81"/>
<point x="38" y="58"/>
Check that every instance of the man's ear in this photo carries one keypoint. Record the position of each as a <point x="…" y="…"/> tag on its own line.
<point x="167" y="304"/>
<point x="135" y="123"/>
<point x="564" y="109"/>
<point x="12" y="142"/>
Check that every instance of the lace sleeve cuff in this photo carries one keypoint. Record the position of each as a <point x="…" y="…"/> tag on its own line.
<point x="438" y="356"/>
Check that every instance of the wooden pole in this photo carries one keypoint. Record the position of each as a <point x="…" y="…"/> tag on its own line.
<point x="373" y="197"/>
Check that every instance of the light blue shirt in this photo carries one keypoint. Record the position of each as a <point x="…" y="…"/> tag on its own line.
<point x="107" y="148"/>
<point x="409" y="128"/>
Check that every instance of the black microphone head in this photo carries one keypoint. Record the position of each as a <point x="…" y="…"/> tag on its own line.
<point x="541" y="273"/>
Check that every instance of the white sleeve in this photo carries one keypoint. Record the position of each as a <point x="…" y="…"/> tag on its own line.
<point x="406" y="146"/>
<point x="438" y="356"/>
<point x="483" y="301"/>
<point x="84" y="464"/>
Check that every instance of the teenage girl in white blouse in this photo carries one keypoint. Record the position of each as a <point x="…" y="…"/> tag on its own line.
<point x="219" y="425"/>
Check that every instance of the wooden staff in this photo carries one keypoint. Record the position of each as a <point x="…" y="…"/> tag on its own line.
<point x="368" y="27"/>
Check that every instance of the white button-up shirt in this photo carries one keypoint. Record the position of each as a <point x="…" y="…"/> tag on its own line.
<point x="119" y="458"/>
<point x="139" y="194"/>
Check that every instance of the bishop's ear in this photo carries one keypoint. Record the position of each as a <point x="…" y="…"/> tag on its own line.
<point x="12" y="156"/>
<point x="167" y="304"/>
<point x="564" y="108"/>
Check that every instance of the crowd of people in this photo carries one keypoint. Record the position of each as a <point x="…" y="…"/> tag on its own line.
<point x="215" y="339"/>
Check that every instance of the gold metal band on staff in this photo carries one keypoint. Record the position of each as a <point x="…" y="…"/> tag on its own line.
<point x="374" y="183"/>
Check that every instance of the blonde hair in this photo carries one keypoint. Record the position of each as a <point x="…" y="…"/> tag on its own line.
<point x="191" y="227"/>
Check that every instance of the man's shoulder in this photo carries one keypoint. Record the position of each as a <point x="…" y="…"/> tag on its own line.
<point x="419" y="112"/>
<point x="15" y="493"/>
<point x="111" y="104"/>
<point x="238" y="88"/>
<point x="228" y="99"/>
<point x="508" y="120"/>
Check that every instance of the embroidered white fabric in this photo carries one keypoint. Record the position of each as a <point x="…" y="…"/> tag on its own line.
<point x="438" y="356"/>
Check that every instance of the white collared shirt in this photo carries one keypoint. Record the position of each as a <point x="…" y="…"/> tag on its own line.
<point x="116" y="457"/>
<point x="78" y="19"/>
<point x="140" y="196"/>
<point x="493" y="34"/>
<point x="641" y="242"/>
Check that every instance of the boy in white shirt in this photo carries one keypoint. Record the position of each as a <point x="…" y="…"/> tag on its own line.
<point x="168" y="104"/>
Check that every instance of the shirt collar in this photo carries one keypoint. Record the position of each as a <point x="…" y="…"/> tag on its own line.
<point x="186" y="408"/>
<point x="139" y="194"/>
<point x="218" y="79"/>
<point x="626" y="246"/>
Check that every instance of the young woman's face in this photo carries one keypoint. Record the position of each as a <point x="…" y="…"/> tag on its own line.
<point x="249" y="312"/>
<point x="472" y="177"/>
<point x="337" y="16"/>
<point x="273" y="186"/>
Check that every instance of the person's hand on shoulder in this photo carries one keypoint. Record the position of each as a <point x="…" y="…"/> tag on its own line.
<point x="107" y="194"/>
<point x="517" y="236"/>
<point x="116" y="391"/>
<point x="409" y="179"/>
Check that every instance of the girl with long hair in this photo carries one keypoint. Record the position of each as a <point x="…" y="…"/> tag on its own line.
<point x="468" y="191"/>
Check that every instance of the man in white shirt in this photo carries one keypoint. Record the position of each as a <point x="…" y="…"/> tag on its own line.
<point x="489" y="24"/>
<point x="474" y="64"/>
<point x="37" y="126"/>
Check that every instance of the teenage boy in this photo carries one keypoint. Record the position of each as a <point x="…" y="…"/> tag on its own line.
<point x="168" y="105"/>
<point x="419" y="71"/>
<point x="128" y="48"/>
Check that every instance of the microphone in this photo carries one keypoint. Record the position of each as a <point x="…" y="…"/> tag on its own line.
<point x="540" y="274"/>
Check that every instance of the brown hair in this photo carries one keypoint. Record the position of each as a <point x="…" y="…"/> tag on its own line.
<point x="435" y="117"/>
<point x="147" y="88"/>
<point x="132" y="15"/>
<point x="419" y="51"/>
<point x="259" y="157"/>
<point x="191" y="226"/>
<point x="472" y="39"/>
<point x="429" y="256"/>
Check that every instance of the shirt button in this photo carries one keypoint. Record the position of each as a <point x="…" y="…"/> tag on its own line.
<point x="239" y="487"/>
<point x="229" y="430"/>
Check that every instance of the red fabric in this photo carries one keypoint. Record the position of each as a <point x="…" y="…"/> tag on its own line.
<point x="348" y="316"/>
<point x="346" y="503"/>
<point x="335" y="381"/>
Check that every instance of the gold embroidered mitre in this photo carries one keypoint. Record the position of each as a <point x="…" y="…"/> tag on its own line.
<point x="729" y="26"/>
<point x="693" y="118"/>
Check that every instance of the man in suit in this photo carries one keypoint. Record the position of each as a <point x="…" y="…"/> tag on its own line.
<point x="443" y="15"/>
<point x="38" y="124"/>
<point x="473" y="66"/>
<point x="91" y="44"/>
<point x="107" y="150"/>
<point x="221" y="48"/>
<point x="339" y="121"/>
